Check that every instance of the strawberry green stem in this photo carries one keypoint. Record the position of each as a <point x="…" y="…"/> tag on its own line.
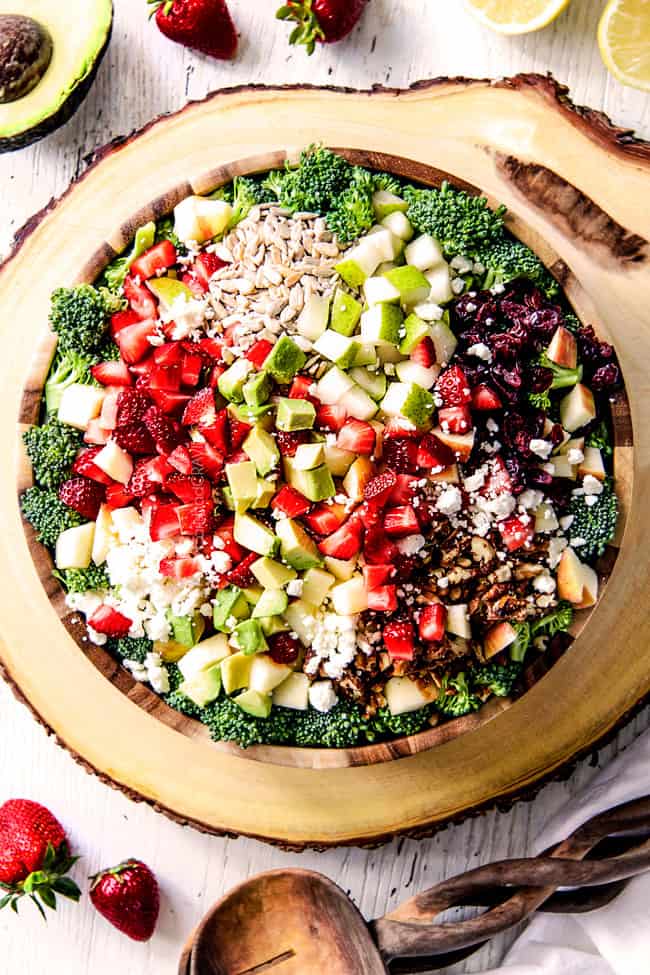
<point x="308" y="30"/>
<point x="42" y="886"/>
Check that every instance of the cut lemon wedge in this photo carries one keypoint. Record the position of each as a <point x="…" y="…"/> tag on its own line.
<point x="624" y="41"/>
<point x="516" y="16"/>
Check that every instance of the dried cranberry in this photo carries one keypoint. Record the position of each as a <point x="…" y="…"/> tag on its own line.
<point x="283" y="648"/>
<point x="607" y="377"/>
<point x="405" y="566"/>
<point x="540" y="479"/>
<point x="504" y="347"/>
<point x="540" y="379"/>
<point x="556" y="435"/>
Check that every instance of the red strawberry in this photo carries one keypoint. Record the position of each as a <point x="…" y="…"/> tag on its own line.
<point x="498" y="480"/>
<point x="206" y="460"/>
<point x="453" y="387"/>
<point x="321" y="21"/>
<point x="191" y="369"/>
<point x="117" y="496"/>
<point x="200" y="409"/>
<point x="484" y="398"/>
<point x="204" y="267"/>
<point x="290" y="502"/>
<point x="283" y="648"/>
<point x="167" y="378"/>
<point x="183" y="568"/>
<point x="259" y="352"/>
<point x="378" y="489"/>
<point x="33" y="842"/>
<point x="140" y="483"/>
<point x="376" y="575"/>
<point x="431" y="624"/>
<point x="140" y="299"/>
<point x="424" y="353"/>
<point x="345" y="542"/>
<point x="128" y="897"/>
<point x="325" y="518"/>
<point x="401" y="454"/>
<point x="516" y="532"/>
<point x="211" y="348"/>
<point x="288" y="443"/>
<point x="203" y="25"/>
<point x="133" y="340"/>
<point x="107" y="620"/>
<point x="218" y="433"/>
<point x="378" y="548"/>
<point x="114" y="373"/>
<point x="135" y="439"/>
<point x="455" y="419"/>
<point x="168" y="401"/>
<point x="300" y="388"/>
<point x="331" y="417"/>
<point x="370" y="514"/>
<point x="83" y="496"/>
<point x="157" y="259"/>
<point x="383" y="599"/>
<point x="433" y="455"/>
<point x="357" y="437"/>
<point x="404" y="489"/>
<point x="121" y="319"/>
<point x="165" y="432"/>
<point x="84" y="465"/>
<point x="241" y="574"/>
<point x="196" y="518"/>
<point x="238" y="431"/>
<point x="189" y="489"/>
<point x="401" y="521"/>
<point x="180" y="460"/>
<point x="224" y="533"/>
<point x="164" y="522"/>
<point x="399" y="639"/>
<point x="131" y="407"/>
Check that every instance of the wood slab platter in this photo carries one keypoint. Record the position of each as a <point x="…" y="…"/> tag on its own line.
<point x="577" y="189"/>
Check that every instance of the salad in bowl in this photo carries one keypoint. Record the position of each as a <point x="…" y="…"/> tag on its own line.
<point x="325" y="457"/>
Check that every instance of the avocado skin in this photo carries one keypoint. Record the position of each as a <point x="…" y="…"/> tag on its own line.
<point x="65" y="111"/>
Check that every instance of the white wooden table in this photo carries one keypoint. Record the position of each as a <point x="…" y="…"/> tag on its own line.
<point x="143" y="75"/>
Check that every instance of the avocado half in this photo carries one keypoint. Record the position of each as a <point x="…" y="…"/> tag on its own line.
<point x="77" y="33"/>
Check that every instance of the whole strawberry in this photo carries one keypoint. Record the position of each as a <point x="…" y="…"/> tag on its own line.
<point x="34" y="856"/>
<point x="128" y="897"/>
<point x="203" y="25"/>
<point x="322" y="21"/>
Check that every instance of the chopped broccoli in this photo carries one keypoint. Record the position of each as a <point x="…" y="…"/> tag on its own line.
<point x="315" y="184"/>
<point x="114" y="275"/>
<point x="600" y="439"/>
<point x="556" y="622"/>
<point x="461" y="223"/>
<point x="342" y="727"/>
<point x="353" y="213"/>
<point x="133" y="649"/>
<point x="563" y="377"/>
<point x="540" y="401"/>
<point x="227" y="722"/>
<point x="243" y="194"/>
<point x="387" y="183"/>
<point x="519" y="648"/>
<point x="92" y="579"/>
<point x="165" y="231"/>
<point x="51" y="448"/>
<point x="508" y="259"/>
<point x="47" y="515"/>
<point x="386" y="724"/>
<point x="456" y="697"/>
<point x="67" y="369"/>
<point x="497" y="678"/>
<point x="79" y="317"/>
<point x="595" y="523"/>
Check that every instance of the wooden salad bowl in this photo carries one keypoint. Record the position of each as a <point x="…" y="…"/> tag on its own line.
<point x="576" y="189"/>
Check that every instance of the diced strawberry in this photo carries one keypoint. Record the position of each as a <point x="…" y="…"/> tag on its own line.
<point x="169" y="402"/>
<point x="455" y="419"/>
<point x="484" y="398"/>
<point x="516" y="532"/>
<point x="404" y="490"/>
<point x="379" y="488"/>
<point x="134" y="340"/>
<point x="371" y="514"/>
<point x="205" y="266"/>
<point x="401" y="455"/>
<point x="378" y="548"/>
<point x="143" y="368"/>
<point x="191" y="369"/>
<point x="180" y="460"/>
<point x="206" y="460"/>
<point x="345" y="542"/>
<point x="290" y="502"/>
<point x="169" y="354"/>
<point x="165" y="377"/>
<point x="401" y="521"/>
<point x="300" y="388"/>
<point x="179" y="568"/>
<point x="159" y="469"/>
<point x="217" y="433"/>
<point x="210" y="347"/>
<point x="197" y="287"/>
<point x="158" y="258"/>
<point x="84" y="465"/>
<point x="453" y="387"/>
<point x="109" y="621"/>
<point x="383" y="599"/>
<point x="284" y="648"/>
<point x="140" y="483"/>
<point x="140" y="299"/>
<point x="165" y="432"/>
<point x="238" y="431"/>
<point x="239" y="457"/>
<point x="108" y="415"/>
<point x="225" y="534"/>
<point x="399" y="429"/>
<point x="399" y="639"/>
<point x="230" y="333"/>
<point x="424" y="353"/>
<point x="117" y="496"/>
<point x="331" y="417"/>
<point x="164" y="522"/>
<point x="259" y="352"/>
<point x="356" y="436"/>
<point x="189" y="488"/>
<point x="241" y="575"/>
<point x="215" y="375"/>
<point x="113" y="373"/>
<point x="83" y="496"/>
<point x="433" y="455"/>
<point x="498" y="480"/>
<point x="325" y="518"/>
<point x="135" y="439"/>
<point x="131" y="407"/>
<point x="376" y="575"/>
<point x="121" y="319"/>
<point x="431" y="624"/>
<point x="288" y="443"/>
<point x="196" y="518"/>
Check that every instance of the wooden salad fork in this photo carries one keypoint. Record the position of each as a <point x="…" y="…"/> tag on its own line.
<point x="297" y="922"/>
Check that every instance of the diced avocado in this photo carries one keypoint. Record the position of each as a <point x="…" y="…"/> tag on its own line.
<point x="297" y="549"/>
<point x="242" y="480"/>
<point x="235" y="672"/>
<point x="186" y="630"/>
<point x="250" y="637"/>
<point x="231" y="382"/>
<point x="316" y="485"/>
<point x="285" y="360"/>
<point x="295" y="414"/>
<point x="266" y="675"/>
<point x="382" y="324"/>
<point x="384" y="203"/>
<point x="410" y="401"/>
<point x="415" y="330"/>
<point x="229" y="501"/>
<point x="346" y="312"/>
<point x="266" y="491"/>
<point x="373" y="383"/>
<point x="316" y="585"/>
<point x="204" y="655"/>
<point x="314" y="317"/>
<point x="204" y="687"/>
<point x="343" y="569"/>
<point x="253" y="703"/>
<point x="170" y="651"/>
<point x="262" y="450"/>
<point x="293" y="693"/>
<point x="257" y="389"/>
<point x="339" y="349"/>
<point x="271" y="574"/>
<point x="229" y="604"/>
<point x="253" y="415"/>
<point x="167" y="290"/>
<point x="411" y="284"/>
<point x="272" y="602"/>
<point x="254" y="535"/>
<point x="308" y="456"/>
<point x="253" y="594"/>
<point x="273" y="624"/>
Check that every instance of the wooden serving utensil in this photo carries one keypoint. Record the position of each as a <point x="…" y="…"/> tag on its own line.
<point x="296" y="922"/>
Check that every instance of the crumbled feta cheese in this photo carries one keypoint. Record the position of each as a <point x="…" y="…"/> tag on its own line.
<point x="530" y="499"/>
<point x="458" y="285"/>
<point x="592" y="485"/>
<point x="99" y="639"/>
<point x="481" y="351"/>
<point x="474" y="482"/>
<point x="491" y="425"/>
<point x="450" y="501"/>
<point x="188" y="316"/>
<point x="322" y="696"/>
<point x="577" y="542"/>
<point x="295" y="587"/>
<point x="566" y="521"/>
<point x="544" y="583"/>
<point x="555" y="548"/>
<point x="575" y="456"/>
<point x="543" y="448"/>
<point x="461" y="264"/>
<point x="411" y="545"/>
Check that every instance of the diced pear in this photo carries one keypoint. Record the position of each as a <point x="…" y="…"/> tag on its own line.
<point x="338" y="460"/>
<point x="404" y="695"/>
<point x="497" y="638"/>
<point x="293" y="693"/>
<point x="578" y="408"/>
<point x="332" y="387"/>
<point x="462" y="444"/>
<point x="378" y="290"/>
<point x="449" y="475"/>
<point x="576" y="581"/>
<point x="115" y="462"/>
<point x="569" y="443"/>
<point x="412" y="285"/>
<point x="559" y="466"/>
<point x="545" y="518"/>
<point x="314" y="317"/>
<point x="458" y="621"/>
<point x="74" y="547"/>
<point x="563" y="349"/>
<point x="360" y="262"/>
<point x="198" y="219"/>
<point x="424" y="253"/>
<point x="389" y="246"/>
<point x="169" y="290"/>
<point x="440" y="284"/>
<point x="385" y="203"/>
<point x="340" y="349"/>
<point x="444" y="341"/>
<point x="316" y="585"/>
<point x="358" y="404"/>
<point x="265" y="674"/>
<point x="104" y="536"/>
<point x="204" y="655"/>
<point x="373" y="383"/>
<point x="592" y="464"/>
<point x="412" y="372"/>
<point x="342" y="569"/>
<point x="381" y="323"/>
<point x="351" y="597"/>
<point x="80" y="404"/>
<point x="399" y="225"/>
<point x="125" y="522"/>
<point x="356" y="479"/>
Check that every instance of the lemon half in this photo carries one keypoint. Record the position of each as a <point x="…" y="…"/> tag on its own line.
<point x="516" y="16"/>
<point x="624" y="41"/>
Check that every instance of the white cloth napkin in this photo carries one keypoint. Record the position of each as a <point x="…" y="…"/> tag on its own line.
<point x="614" y="940"/>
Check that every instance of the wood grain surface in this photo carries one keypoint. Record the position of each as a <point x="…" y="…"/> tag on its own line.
<point x="140" y="78"/>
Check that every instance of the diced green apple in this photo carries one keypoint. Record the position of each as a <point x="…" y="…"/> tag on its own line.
<point x="266" y="675"/>
<point x="351" y="597"/>
<point x="301" y="617"/>
<point x="367" y="355"/>
<point x="126" y="522"/>
<point x="424" y="253"/>
<point x="293" y="693"/>
<point x="403" y="695"/>
<point x="440" y="290"/>
<point x="577" y="408"/>
<point x="168" y="291"/>
<point x="285" y="360"/>
<point x="341" y="569"/>
<point x="204" y="655"/>
<point x="360" y="262"/>
<point x="390" y="246"/>
<point x="74" y="547"/>
<point x="80" y="404"/>
<point x="458" y="622"/>
<point x="204" y="687"/>
<point x="338" y="461"/>
<point x="415" y="330"/>
<point x="314" y="317"/>
<point x="297" y="548"/>
<point x="115" y="462"/>
<point x="104" y="535"/>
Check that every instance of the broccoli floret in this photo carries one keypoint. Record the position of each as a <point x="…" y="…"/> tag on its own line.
<point x="600" y="439"/>
<point x="91" y="579"/>
<point x="353" y="213"/>
<point x="508" y="259"/>
<point x="386" y="724"/>
<point x="69" y="368"/>
<point x="47" y="515"/>
<point x="456" y="697"/>
<point x="540" y="401"/>
<point x="342" y="727"/>
<point x="387" y="183"/>
<point x="556" y="622"/>
<point x="51" y="448"/>
<point x="519" y="648"/>
<point x="114" y="275"/>
<point x="133" y="649"/>
<point x="243" y="194"/>
<point x="79" y="317"/>
<point x="461" y="223"/>
<point x="595" y="523"/>
<point x="315" y="184"/>
<point x="165" y="231"/>
<point x="227" y="722"/>
<point x="563" y="377"/>
<point x="497" y="678"/>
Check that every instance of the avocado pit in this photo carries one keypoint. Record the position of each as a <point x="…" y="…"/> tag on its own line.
<point x="25" y="55"/>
